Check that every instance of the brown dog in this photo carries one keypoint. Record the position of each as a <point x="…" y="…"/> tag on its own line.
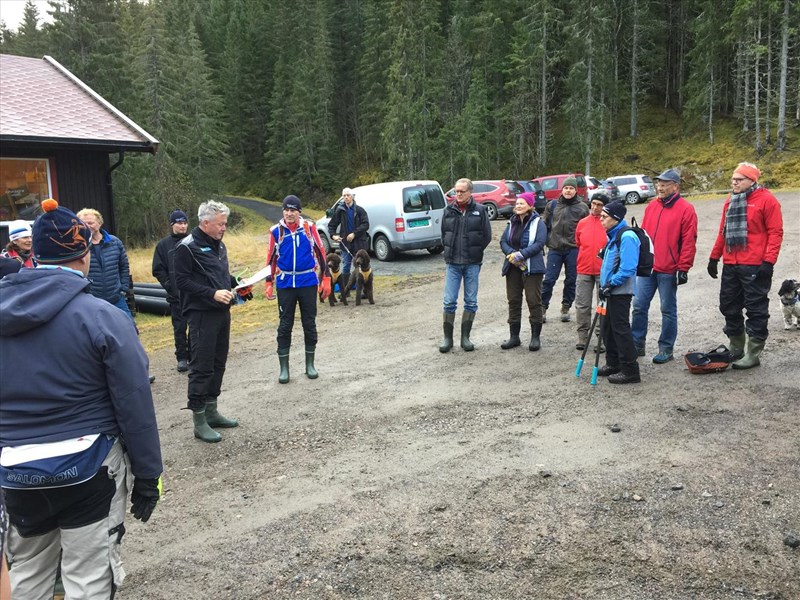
<point x="335" y="267"/>
<point x="361" y="275"/>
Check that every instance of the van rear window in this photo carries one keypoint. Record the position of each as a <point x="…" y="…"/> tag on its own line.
<point x="422" y="198"/>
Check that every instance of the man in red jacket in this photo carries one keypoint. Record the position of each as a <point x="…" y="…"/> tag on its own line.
<point x="590" y="237"/>
<point x="671" y="223"/>
<point x="749" y="241"/>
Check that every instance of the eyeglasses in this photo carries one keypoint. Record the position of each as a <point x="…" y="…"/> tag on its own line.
<point x="460" y="191"/>
<point x="737" y="179"/>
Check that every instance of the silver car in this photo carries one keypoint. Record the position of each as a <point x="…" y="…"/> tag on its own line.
<point x="634" y="188"/>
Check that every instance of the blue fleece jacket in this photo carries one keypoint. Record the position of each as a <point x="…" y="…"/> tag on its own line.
<point x="620" y="261"/>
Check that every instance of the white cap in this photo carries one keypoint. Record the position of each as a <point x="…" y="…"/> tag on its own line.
<point x="19" y="229"/>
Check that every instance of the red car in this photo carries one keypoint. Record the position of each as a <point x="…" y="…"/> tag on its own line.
<point x="497" y="195"/>
<point x="552" y="184"/>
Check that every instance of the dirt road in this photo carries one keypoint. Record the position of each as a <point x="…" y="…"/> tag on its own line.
<point x="402" y="473"/>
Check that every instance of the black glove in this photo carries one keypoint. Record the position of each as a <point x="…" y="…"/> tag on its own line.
<point x="713" y="267"/>
<point x="605" y="292"/>
<point x="144" y="497"/>
<point x="682" y="277"/>
<point x="765" y="270"/>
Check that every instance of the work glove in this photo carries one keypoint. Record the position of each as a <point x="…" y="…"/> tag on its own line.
<point x="144" y="497"/>
<point x="764" y="270"/>
<point x="325" y="287"/>
<point x="518" y="258"/>
<point x="605" y="292"/>
<point x="245" y="293"/>
<point x="269" y="290"/>
<point x="681" y="277"/>
<point x="713" y="267"/>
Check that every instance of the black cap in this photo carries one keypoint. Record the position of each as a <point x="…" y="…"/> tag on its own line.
<point x="292" y="202"/>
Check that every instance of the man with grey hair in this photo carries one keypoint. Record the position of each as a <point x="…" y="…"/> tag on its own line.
<point x="466" y="231"/>
<point x="205" y="285"/>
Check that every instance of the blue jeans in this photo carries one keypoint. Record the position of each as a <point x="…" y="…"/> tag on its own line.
<point x="122" y="304"/>
<point x="452" y="283"/>
<point x="555" y="260"/>
<point x="668" y="293"/>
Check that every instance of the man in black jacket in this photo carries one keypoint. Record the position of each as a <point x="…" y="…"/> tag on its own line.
<point x="205" y="283"/>
<point x="352" y="224"/>
<point x="162" y="269"/>
<point x="466" y="232"/>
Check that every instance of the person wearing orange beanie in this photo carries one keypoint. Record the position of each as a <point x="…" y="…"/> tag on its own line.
<point x="749" y="241"/>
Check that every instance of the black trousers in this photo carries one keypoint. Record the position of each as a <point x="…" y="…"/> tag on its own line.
<point x="288" y="300"/>
<point x="180" y="328"/>
<point x="209" y="335"/>
<point x="741" y="289"/>
<point x="620" y="350"/>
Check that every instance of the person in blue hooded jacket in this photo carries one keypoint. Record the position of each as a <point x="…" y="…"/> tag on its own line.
<point x="617" y="287"/>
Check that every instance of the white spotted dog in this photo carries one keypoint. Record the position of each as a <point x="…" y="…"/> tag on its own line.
<point x="790" y="302"/>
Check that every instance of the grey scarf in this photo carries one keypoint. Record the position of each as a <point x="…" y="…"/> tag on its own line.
<point x="736" y="221"/>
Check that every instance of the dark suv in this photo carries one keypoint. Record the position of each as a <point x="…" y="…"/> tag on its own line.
<point x="497" y="195"/>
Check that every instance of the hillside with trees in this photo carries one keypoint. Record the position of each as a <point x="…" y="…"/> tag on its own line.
<point x="258" y="97"/>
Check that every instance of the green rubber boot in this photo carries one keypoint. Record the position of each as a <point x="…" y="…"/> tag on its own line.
<point x="201" y="429"/>
<point x="737" y="343"/>
<point x="447" y="341"/>
<point x="467" y="319"/>
<point x="283" y="357"/>
<point x="750" y="358"/>
<point x="311" y="372"/>
<point x="214" y="419"/>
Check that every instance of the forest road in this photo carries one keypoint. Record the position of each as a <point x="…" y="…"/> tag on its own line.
<point x="402" y="473"/>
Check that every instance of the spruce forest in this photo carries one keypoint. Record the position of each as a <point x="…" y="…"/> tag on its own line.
<point x="306" y="96"/>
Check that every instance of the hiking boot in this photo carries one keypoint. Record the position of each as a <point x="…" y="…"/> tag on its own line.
<point x="640" y="351"/>
<point x="582" y="341"/>
<point x="215" y="419"/>
<point x="629" y="373"/>
<point x="751" y="356"/>
<point x="565" y="318"/>
<point x="467" y="318"/>
<point x="607" y="370"/>
<point x="737" y="343"/>
<point x="513" y="341"/>
<point x="202" y="431"/>
<point x="662" y="358"/>
<point x="536" y="331"/>
<point x="447" y="341"/>
<point x="283" y="358"/>
<point x="183" y="366"/>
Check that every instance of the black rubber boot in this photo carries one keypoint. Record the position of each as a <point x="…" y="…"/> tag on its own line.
<point x="536" y="332"/>
<point x="467" y="318"/>
<point x="513" y="341"/>
<point x="214" y="419"/>
<point x="447" y="341"/>
<point x="629" y="373"/>
<point x="283" y="357"/>
<point x="311" y="372"/>
<point x="202" y="431"/>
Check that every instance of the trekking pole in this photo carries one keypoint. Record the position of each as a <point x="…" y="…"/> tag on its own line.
<point x="586" y="347"/>
<point x="601" y="310"/>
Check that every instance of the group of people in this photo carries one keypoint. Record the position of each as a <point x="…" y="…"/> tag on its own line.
<point x="600" y="255"/>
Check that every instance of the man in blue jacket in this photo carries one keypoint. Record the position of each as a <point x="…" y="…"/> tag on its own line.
<point x="617" y="286"/>
<point x="73" y="422"/>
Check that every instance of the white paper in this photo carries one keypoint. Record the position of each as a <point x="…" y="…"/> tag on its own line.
<point x="253" y="279"/>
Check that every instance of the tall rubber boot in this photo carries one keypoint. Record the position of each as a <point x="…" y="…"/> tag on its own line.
<point x="214" y="419"/>
<point x="467" y="318"/>
<point x="201" y="429"/>
<point x="737" y="343"/>
<point x="513" y="341"/>
<point x="311" y="372"/>
<point x="536" y="331"/>
<point x="283" y="357"/>
<point x="447" y="341"/>
<point x="750" y="358"/>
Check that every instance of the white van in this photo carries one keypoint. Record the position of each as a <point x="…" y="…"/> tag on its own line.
<point x="403" y="215"/>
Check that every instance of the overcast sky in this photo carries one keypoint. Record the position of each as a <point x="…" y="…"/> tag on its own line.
<point x="11" y="12"/>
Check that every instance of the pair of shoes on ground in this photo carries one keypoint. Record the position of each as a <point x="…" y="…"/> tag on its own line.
<point x="615" y="375"/>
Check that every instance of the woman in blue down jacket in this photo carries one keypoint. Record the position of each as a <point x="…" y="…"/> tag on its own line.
<point x="523" y="244"/>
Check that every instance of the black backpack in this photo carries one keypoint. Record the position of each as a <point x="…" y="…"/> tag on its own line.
<point x="644" y="268"/>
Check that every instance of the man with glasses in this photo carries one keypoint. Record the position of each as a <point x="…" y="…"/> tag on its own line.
<point x="671" y="223"/>
<point x="466" y="232"/>
<point x="749" y="241"/>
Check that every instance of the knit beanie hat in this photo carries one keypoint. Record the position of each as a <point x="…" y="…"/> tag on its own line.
<point x="292" y="202"/>
<point x="529" y="197"/>
<point x="571" y="181"/>
<point x="748" y="170"/>
<point x="59" y="236"/>
<point x="19" y="229"/>
<point x="615" y="210"/>
<point x="178" y="216"/>
<point x="601" y="197"/>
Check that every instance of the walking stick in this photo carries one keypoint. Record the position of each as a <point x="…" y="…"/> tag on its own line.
<point x="601" y="310"/>
<point x="586" y="347"/>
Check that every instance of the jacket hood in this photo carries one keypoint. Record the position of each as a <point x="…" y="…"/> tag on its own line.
<point x="33" y="297"/>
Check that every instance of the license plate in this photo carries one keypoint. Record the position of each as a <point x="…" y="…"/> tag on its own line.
<point x="419" y="223"/>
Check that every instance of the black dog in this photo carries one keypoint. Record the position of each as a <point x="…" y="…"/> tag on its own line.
<point x="335" y="267"/>
<point x="361" y="275"/>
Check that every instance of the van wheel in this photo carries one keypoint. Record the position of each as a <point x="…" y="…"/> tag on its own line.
<point x="491" y="211"/>
<point x="631" y="198"/>
<point x="383" y="249"/>
<point x="436" y="249"/>
<point x="326" y="243"/>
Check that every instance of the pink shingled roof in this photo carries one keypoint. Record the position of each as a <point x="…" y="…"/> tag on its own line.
<point x="40" y="98"/>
